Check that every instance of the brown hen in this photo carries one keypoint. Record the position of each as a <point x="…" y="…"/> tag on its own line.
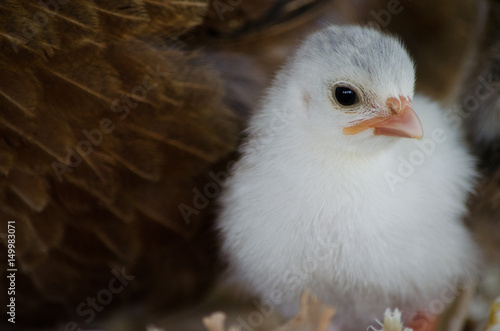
<point x="107" y="124"/>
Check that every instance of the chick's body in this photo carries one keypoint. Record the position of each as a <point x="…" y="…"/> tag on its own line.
<point x="365" y="221"/>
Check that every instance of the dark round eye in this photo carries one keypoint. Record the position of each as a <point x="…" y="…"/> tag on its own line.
<point x="346" y="96"/>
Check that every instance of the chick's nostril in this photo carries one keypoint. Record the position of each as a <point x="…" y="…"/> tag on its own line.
<point x="394" y="105"/>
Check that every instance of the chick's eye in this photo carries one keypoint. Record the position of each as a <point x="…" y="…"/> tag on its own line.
<point x="346" y="96"/>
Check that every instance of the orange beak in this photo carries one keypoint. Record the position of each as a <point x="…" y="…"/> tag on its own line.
<point x="402" y="122"/>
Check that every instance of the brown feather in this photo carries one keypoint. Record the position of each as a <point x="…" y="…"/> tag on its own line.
<point x="106" y="126"/>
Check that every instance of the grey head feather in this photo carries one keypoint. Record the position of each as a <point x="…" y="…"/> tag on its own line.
<point x="360" y="54"/>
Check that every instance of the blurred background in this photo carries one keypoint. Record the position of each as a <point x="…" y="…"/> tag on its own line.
<point x="119" y="120"/>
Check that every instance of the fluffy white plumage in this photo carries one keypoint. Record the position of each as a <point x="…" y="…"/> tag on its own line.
<point x="366" y="220"/>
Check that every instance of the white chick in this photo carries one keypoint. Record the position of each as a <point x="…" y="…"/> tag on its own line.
<point x="330" y="195"/>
